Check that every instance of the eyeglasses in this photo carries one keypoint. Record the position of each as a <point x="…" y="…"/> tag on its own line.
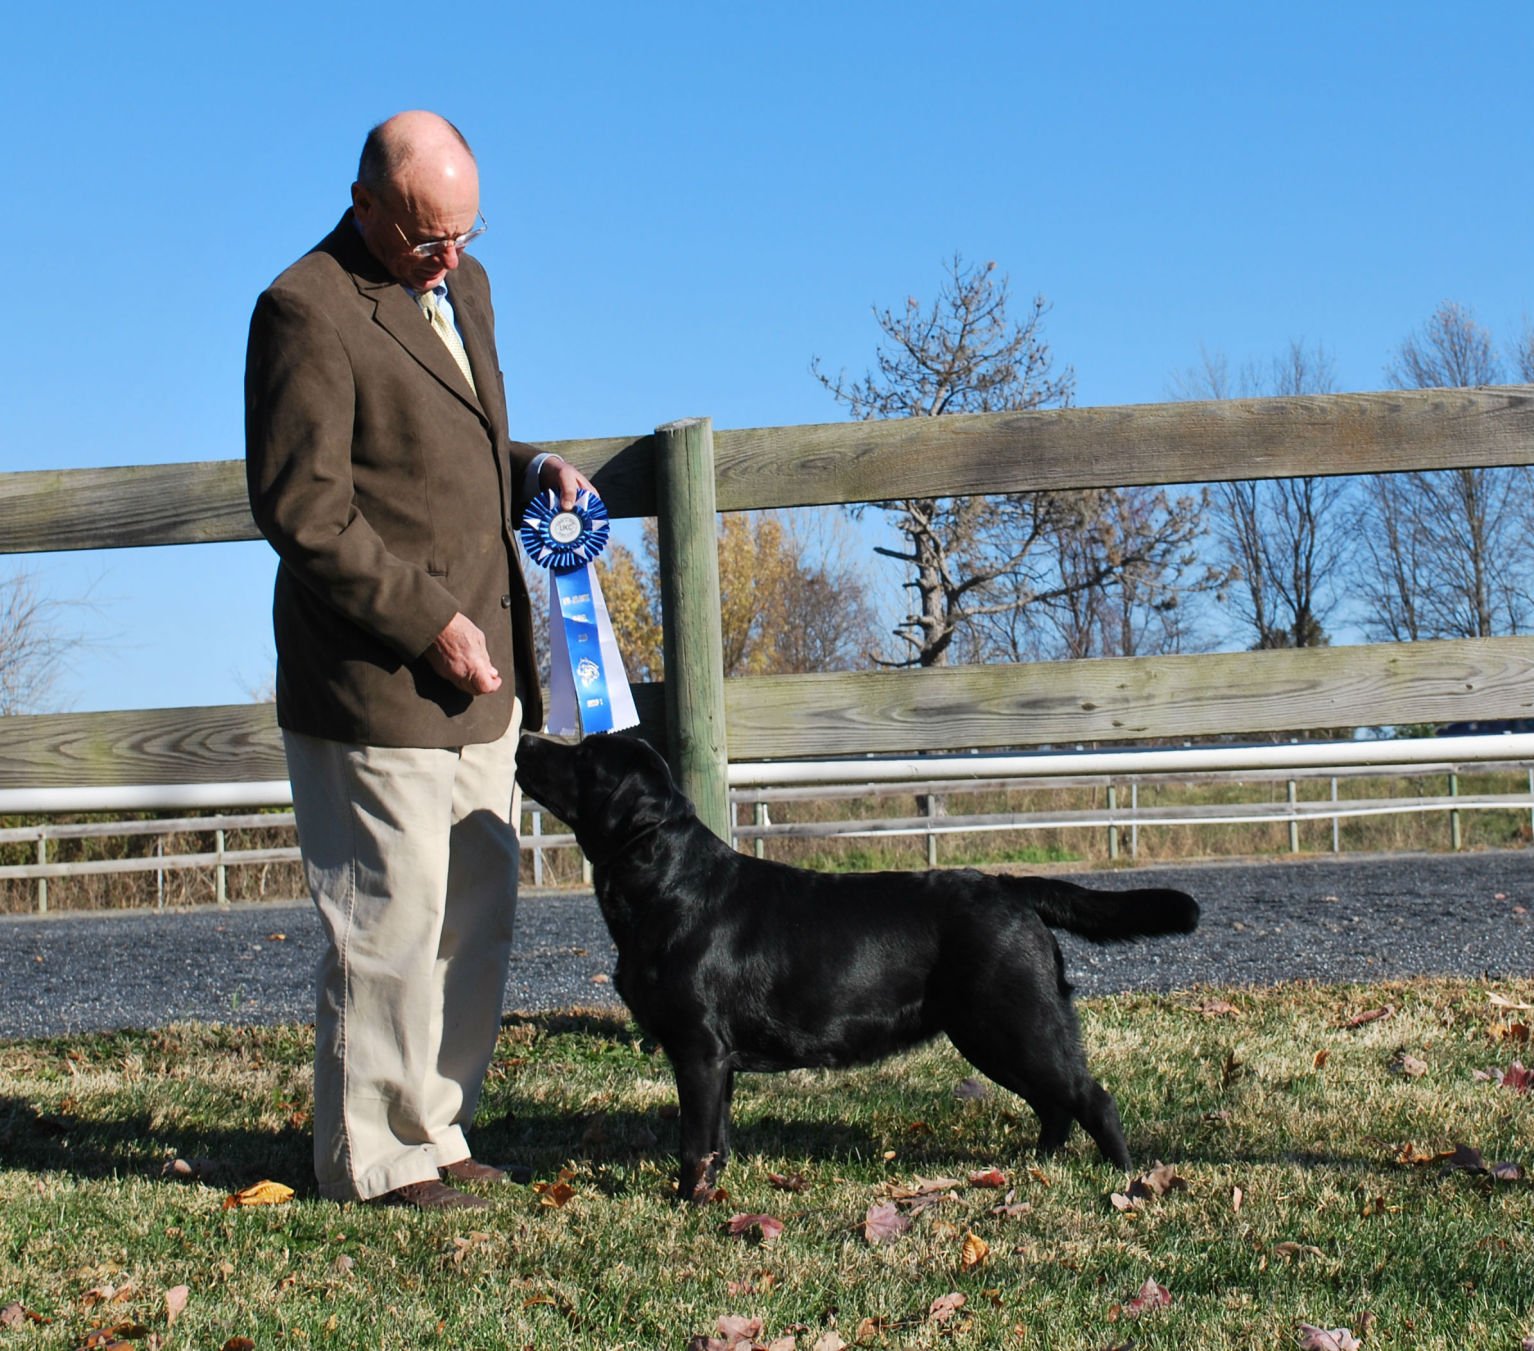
<point x="435" y="248"/>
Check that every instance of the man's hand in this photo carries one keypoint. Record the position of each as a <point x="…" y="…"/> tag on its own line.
<point x="564" y="478"/>
<point x="458" y="654"/>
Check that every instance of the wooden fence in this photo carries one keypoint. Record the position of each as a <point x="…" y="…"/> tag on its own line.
<point x="683" y="473"/>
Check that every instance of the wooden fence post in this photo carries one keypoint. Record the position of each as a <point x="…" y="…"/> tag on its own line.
<point x="690" y="619"/>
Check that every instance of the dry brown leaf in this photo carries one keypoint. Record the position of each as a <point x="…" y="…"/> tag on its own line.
<point x="768" y="1226"/>
<point x="277" y="938"/>
<point x="971" y="1090"/>
<point x="793" y="1182"/>
<point x="1289" y="1250"/>
<point x="553" y="1194"/>
<point x="1408" y="1153"/>
<point x="263" y="1193"/>
<point x="988" y="1177"/>
<point x="884" y="1223"/>
<point x="1327" y="1339"/>
<point x="973" y="1251"/>
<point x="944" y="1307"/>
<point x="1409" y="1065"/>
<point x="1320" y="1058"/>
<point x="1518" y="1032"/>
<point x="12" y="1316"/>
<point x="1504" y="1003"/>
<point x="1150" y="1296"/>
<point x="1217" y="1008"/>
<point x="239" y="1344"/>
<point x="175" y="1302"/>
<point x="829" y="1341"/>
<point x="343" y="1265"/>
<point x="1236" y="1197"/>
<point x="1369" y="1016"/>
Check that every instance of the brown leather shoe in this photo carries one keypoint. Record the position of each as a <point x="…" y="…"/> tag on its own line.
<point x="472" y="1170"/>
<point x="431" y="1195"/>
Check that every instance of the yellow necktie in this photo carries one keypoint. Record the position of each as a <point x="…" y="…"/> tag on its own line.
<point x="442" y="323"/>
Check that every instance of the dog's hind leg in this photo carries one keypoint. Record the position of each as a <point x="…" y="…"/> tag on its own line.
<point x="703" y="1089"/>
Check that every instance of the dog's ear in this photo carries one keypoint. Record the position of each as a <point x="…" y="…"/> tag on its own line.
<point x="630" y="784"/>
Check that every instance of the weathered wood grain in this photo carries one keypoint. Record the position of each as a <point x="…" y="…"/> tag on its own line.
<point x="1128" y="699"/>
<point x="1121" y="446"/>
<point x="694" y="646"/>
<point x="859" y="461"/>
<point x="231" y="743"/>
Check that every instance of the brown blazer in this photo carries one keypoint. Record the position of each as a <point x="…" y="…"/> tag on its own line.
<point x="391" y="494"/>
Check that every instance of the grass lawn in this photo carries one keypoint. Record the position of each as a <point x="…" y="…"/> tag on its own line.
<point x="1306" y="1148"/>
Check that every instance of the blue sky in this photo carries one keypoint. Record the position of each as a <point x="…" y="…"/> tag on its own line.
<point x="689" y="201"/>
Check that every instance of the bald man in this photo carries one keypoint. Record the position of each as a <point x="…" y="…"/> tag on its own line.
<point x="381" y="471"/>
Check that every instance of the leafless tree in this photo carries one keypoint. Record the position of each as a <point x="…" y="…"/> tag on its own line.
<point x="35" y="645"/>
<point x="1448" y="553"/>
<point x="982" y="569"/>
<point x="1284" y="543"/>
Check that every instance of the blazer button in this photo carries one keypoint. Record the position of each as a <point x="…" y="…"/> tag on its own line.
<point x="505" y="602"/>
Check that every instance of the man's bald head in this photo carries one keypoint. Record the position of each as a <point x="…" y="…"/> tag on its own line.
<point x="394" y="145"/>
<point x="417" y="182"/>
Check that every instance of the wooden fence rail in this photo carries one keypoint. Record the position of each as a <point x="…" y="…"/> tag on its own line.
<point x="824" y="714"/>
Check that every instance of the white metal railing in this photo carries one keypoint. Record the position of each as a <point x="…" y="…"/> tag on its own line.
<point x="758" y="785"/>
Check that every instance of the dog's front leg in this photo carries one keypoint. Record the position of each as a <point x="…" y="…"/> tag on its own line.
<point x="703" y="1097"/>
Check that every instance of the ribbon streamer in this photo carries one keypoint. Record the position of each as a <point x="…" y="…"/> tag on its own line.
<point x="590" y="692"/>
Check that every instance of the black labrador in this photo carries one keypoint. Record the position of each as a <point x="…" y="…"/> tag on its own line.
<point x="737" y="963"/>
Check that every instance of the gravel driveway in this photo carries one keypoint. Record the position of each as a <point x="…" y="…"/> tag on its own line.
<point x="1328" y="920"/>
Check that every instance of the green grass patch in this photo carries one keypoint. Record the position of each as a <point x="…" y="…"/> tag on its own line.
<point x="1231" y="1088"/>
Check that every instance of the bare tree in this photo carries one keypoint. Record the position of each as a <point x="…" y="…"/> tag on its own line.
<point x="983" y="570"/>
<point x="34" y="645"/>
<point x="1447" y="553"/>
<point x="1523" y="354"/>
<point x="1284" y="543"/>
<point x="790" y="599"/>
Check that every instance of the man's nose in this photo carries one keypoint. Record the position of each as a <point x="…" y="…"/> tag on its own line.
<point x="450" y="256"/>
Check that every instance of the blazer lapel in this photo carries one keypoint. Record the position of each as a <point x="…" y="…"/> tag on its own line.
<point x="395" y="310"/>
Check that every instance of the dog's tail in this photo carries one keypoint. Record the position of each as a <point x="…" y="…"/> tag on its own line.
<point x="1108" y="916"/>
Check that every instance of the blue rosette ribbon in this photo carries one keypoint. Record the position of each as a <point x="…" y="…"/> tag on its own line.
<point x="590" y="692"/>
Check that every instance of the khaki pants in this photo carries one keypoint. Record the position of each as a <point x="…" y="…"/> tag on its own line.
<point x="411" y="857"/>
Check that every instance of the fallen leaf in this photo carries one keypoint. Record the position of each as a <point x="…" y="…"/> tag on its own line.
<point x="944" y="1307"/>
<point x="1410" y="1154"/>
<point x="794" y="1182"/>
<point x="1504" y="1003"/>
<point x="884" y="1223"/>
<point x="923" y="1186"/>
<point x="1506" y="1172"/>
<point x="1518" y="1032"/>
<point x="973" y="1251"/>
<point x="1151" y="1296"/>
<point x="239" y="1344"/>
<point x="1517" y="1078"/>
<point x="601" y="979"/>
<point x="768" y="1226"/>
<point x="971" y="1090"/>
<point x="1011" y="1207"/>
<point x="175" y="1302"/>
<point x="1161" y="1179"/>
<point x="12" y="1316"/>
<point x="276" y="938"/>
<point x="1217" y="1008"/>
<point x="736" y="1329"/>
<point x="1369" y="1016"/>
<point x="553" y="1194"/>
<point x="343" y="1264"/>
<point x="1409" y="1065"/>
<point x="1320" y="1058"/>
<point x="1464" y="1158"/>
<point x="1327" y="1339"/>
<point x="1236" y="1197"/>
<point x="829" y="1341"/>
<point x="263" y="1193"/>
<point x="989" y="1177"/>
<point x="1289" y="1250"/>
